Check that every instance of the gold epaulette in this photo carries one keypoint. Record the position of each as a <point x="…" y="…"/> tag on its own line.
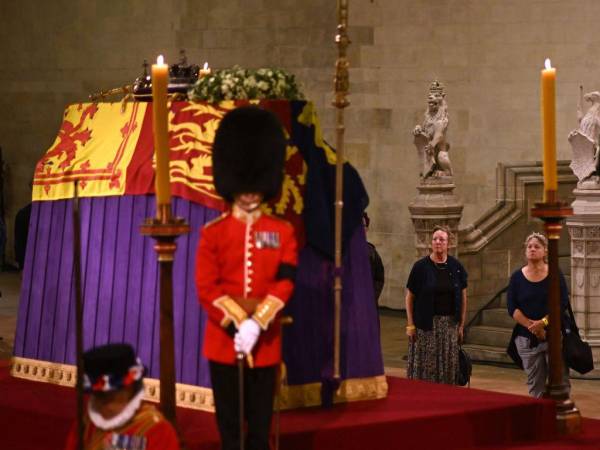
<point x="267" y="310"/>
<point x="216" y="220"/>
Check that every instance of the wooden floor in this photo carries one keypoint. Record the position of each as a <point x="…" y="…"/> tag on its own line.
<point x="585" y="393"/>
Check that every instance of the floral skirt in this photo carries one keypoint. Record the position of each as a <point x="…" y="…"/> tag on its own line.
<point x="434" y="355"/>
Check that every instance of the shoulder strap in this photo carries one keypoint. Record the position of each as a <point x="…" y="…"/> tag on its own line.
<point x="216" y="220"/>
<point x="574" y="327"/>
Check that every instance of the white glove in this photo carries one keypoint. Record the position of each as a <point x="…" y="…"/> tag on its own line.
<point x="246" y="337"/>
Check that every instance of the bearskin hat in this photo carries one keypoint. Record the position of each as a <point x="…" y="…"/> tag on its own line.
<point x="111" y="367"/>
<point x="248" y="153"/>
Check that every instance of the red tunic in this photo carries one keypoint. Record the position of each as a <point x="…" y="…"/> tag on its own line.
<point x="239" y="255"/>
<point x="147" y="430"/>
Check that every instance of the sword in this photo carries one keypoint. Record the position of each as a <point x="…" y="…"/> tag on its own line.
<point x="240" y="364"/>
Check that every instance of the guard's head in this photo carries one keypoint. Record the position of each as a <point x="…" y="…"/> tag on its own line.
<point x="112" y="367"/>
<point x="248" y="154"/>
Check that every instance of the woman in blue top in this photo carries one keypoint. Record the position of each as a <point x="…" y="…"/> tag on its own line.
<point x="436" y="306"/>
<point x="527" y="301"/>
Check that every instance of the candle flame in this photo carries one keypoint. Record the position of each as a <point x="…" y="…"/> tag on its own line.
<point x="205" y="65"/>
<point x="160" y="60"/>
<point x="548" y="64"/>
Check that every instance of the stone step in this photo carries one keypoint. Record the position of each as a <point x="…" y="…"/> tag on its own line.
<point x="484" y="353"/>
<point x="488" y="336"/>
<point x="500" y="302"/>
<point x="496" y="317"/>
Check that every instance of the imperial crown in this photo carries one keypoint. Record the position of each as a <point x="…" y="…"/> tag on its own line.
<point x="181" y="77"/>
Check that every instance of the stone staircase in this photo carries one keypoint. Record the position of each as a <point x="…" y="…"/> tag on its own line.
<point x="488" y="333"/>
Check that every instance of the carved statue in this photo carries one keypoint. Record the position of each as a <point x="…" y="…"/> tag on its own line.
<point x="585" y="141"/>
<point x="430" y="136"/>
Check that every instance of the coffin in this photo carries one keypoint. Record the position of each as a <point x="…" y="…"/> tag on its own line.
<point x="108" y="148"/>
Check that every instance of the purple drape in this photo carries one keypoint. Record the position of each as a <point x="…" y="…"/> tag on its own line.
<point x="119" y="283"/>
<point x="308" y="343"/>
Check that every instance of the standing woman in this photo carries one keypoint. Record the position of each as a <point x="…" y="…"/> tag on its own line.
<point x="527" y="301"/>
<point x="436" y="307"/>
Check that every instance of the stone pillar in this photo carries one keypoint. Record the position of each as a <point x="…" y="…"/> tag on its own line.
<point x="584" y="229"/>
<point x="435" y="204"/>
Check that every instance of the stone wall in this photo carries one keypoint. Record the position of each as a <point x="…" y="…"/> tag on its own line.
<point x="488" y="53"/>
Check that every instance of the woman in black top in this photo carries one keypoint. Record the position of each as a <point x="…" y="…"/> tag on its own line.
<point x="527" y="302"/>
<point x="436" y="306"/>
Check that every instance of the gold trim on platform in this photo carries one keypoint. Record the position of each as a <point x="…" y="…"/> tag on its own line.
<point x="46" y="371"/>
<point x="355" y="389"/>
<point x="351" y="390"/>
<point x="201" y="398"/>
<point x="187" y="395"/>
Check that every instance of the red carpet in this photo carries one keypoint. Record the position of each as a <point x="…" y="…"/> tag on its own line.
<point x="589" y="439"/>
<point x="415" y="415"/>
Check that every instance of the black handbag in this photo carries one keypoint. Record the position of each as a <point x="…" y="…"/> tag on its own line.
<point x="465" y="368"/>
<point x="578" y="354"/>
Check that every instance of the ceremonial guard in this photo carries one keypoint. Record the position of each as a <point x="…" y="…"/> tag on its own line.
<point x="245" y="269"/>
<point x="117" y="418"/>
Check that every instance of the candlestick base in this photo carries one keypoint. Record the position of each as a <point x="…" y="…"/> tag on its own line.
<point x="558" y="210"/>
<point x="568" y="418"/>
<point x="161" y="228"/>
<point x="165" y="229"/>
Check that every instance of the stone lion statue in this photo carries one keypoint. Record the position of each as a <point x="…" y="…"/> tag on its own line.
<point x="430" y="136"/>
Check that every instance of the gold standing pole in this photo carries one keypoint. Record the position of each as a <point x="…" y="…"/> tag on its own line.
<point x="568" y="418"/>
<point x="165" y="229"/>
<point x="340" y="102"/>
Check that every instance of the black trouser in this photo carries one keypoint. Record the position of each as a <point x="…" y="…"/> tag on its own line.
<point x="259" y="390"/>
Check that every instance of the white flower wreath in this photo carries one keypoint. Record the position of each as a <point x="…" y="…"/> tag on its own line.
<point x="241" y="84"/>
